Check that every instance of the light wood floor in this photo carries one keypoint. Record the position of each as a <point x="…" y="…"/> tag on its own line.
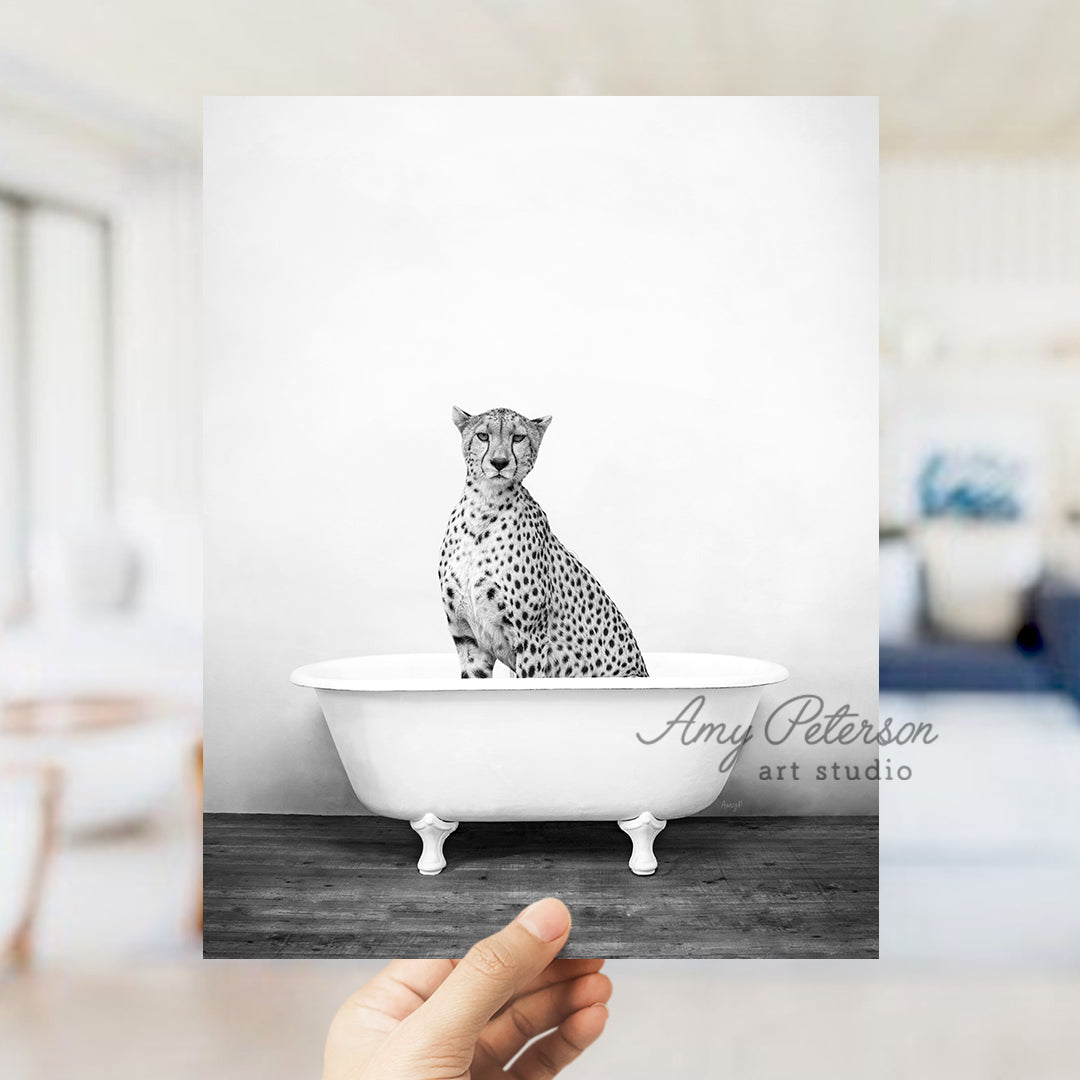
<point x="300" y="886"/>
<point x="683" y="1021"/>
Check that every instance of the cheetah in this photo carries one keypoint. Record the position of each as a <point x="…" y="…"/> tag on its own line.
<point x="510" y="590"/>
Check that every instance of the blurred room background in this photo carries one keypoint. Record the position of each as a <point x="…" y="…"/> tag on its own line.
<point x="100" y="551"/>
<point x="100" y="109"/>
<point x="980" y="554"/>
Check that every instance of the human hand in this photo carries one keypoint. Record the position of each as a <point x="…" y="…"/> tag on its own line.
<point x="465" y="1019"/>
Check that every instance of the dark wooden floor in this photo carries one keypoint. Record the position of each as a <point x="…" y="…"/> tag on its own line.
<point x="297" y="886"/>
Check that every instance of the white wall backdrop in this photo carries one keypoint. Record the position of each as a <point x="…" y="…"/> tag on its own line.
<point x="689" y="286"/>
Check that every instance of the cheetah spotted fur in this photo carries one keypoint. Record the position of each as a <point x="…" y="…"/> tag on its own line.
<point x="510" y="590"/>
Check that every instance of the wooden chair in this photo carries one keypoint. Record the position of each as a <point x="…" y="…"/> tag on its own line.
<point x="17" y="951"/>
<point x="77" y="716"/>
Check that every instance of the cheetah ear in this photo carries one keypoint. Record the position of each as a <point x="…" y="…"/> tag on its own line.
<point x="542" y="423"/>
<point x="460" y="418"/>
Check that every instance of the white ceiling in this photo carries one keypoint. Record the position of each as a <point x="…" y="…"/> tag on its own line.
<point x="954" y="76"/>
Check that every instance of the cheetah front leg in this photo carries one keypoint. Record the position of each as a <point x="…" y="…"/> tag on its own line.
<point x="476" y="662"/>
<point x="532" y="659"/>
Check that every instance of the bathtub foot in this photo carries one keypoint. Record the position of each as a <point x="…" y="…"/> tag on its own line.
<point x="643" y="830"/>
<point x="433" y="831"/>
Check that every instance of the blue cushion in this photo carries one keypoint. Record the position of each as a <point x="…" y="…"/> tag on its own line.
<point x="934" y="664"/>
<point x="948" y="665"/>
<point x="1057" y="609"/>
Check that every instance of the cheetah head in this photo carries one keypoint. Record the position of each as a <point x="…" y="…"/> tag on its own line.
<point x="500" y="445"/>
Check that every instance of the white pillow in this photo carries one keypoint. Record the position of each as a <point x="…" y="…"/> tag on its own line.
<point x="87" y="568"/>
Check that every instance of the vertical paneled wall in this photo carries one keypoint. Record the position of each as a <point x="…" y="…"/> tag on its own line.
<point x="985" y="255"/>
<point x="980" y="222"/>
<point x="980" y="305"/>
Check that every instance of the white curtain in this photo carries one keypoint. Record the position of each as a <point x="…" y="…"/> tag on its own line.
<point x="157" y="390"/>
<point x="67" y="407"/>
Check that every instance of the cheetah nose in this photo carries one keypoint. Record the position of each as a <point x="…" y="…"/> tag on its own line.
<point x="500" y="462"/>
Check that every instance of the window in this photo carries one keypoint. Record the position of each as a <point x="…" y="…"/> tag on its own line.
<point x="55" y="379"/>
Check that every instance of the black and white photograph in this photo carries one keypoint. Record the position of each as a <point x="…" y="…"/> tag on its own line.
<point x="541" y="480"/>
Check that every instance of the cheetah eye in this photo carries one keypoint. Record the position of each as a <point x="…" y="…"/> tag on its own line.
<point x="519" y="438"/>
<point x="482" y="436"/>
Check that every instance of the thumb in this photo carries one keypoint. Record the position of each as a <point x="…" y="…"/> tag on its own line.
<point x="492" y="972"/>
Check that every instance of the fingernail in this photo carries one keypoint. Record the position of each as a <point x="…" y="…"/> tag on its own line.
<point x="547" y="919"/>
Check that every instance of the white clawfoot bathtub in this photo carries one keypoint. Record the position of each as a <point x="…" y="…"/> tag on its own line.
<point x="423" y="745"/>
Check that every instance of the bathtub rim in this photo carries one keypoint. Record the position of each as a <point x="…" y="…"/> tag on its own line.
<point x="314" y="676"/>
